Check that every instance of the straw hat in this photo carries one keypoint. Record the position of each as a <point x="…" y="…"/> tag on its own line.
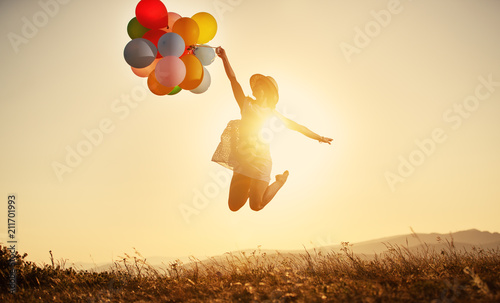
<point x="257" y="77"/>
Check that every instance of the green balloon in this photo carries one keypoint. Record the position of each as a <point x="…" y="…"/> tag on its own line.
<point x="176" y="90"/>
<point x="135" y="29"/>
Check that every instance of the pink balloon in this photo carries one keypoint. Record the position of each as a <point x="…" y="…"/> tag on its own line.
<point x="172" y="17"/>
<point x="170" y="71"/>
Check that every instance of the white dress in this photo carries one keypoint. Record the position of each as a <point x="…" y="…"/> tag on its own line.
<point x="243" y="147"/>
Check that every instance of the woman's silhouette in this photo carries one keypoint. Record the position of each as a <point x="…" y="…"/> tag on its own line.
<point x="242" y="147"/>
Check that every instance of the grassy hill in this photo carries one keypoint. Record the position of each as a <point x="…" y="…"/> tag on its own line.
<point x="401" y="273"/>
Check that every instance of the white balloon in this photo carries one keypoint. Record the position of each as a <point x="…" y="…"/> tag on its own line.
<point x="205" y="83"/>
<point x="206" y="55"/>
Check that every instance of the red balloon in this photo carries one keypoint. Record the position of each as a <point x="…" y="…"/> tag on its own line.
<point x="187" y="51"/>
<point x="154" y="35"/>
<point x="152" y="14"/>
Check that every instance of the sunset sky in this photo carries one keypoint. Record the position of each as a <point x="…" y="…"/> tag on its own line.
<point x="408" y="90"/>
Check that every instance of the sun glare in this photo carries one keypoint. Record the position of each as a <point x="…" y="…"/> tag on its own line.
<point x="292" y="150"/>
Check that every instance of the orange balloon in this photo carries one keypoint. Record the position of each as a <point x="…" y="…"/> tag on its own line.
<point x="188" y="29"/>
<point x="194" y="72"/>
<point x="155" y="87"/>
<point x="145" y="71"/>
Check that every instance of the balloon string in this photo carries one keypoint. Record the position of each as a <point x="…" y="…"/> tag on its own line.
<point x="200" y="45"/>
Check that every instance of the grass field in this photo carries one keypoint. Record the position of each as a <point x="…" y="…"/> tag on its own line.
<point x="398" y="275"/>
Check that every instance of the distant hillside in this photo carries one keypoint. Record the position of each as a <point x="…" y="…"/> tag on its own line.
<point x="462" y="240"/>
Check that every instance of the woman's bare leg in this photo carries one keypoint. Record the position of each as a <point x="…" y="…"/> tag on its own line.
<point x="239" y="191"/>
<point x="261" y="193"/>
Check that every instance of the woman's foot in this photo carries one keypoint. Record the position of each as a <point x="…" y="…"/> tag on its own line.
<point x="274" y="188"/>
<point x="282" y="178"/>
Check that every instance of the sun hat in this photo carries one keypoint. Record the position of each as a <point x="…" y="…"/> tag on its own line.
<point x="258" y="77"/>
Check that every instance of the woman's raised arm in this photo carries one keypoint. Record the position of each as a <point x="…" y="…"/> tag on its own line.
<point x="235" y="85"/>
<point x="302" y="129"/>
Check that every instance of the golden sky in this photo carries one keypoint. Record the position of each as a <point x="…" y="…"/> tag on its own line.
<point x="409" y="90"/>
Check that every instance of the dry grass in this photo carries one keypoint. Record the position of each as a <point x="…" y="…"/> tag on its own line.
<point x="399" y="275"/>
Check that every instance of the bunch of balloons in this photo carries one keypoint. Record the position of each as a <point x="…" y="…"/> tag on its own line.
<point x="169" y="49"/>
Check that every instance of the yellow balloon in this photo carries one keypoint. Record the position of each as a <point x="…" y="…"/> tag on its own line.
<point x="207" y="25"/>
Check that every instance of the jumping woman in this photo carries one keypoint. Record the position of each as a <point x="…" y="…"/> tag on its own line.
<point x="242" y="147"/>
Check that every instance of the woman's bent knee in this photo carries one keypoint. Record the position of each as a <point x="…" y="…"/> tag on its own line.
<point x="255" y="205"/>
<point x="234" y="207"/>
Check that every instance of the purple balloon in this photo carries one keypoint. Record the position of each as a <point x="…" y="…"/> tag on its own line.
<point x="171" y="44"/>
<point x="140" y="52"/>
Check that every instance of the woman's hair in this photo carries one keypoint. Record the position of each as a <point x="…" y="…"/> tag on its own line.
<point x="269" y="90"/>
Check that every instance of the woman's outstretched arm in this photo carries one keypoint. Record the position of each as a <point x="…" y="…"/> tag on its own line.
<point x="302" y="129"/>
<point x="235" y="85"/>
